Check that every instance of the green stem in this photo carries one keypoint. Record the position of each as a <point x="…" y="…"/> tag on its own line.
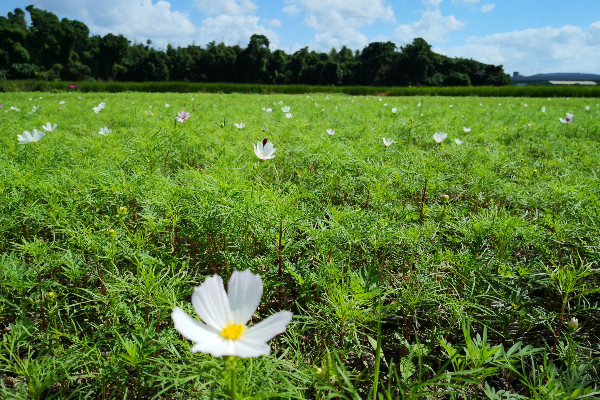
<point x="377" y="354"/>
<point x="231" y="362"/>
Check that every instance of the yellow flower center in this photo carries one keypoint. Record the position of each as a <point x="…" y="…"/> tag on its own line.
<point x="233" y="331"/>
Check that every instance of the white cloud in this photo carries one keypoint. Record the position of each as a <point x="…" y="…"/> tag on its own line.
<point x="565" y="49"/>
<point x="274" y="22"/>
<point x="487" y="7"/>
<point x="432" y="26"/>
<point x="291" y="10"/>
<point x="227" y="7"/>
<point x="234" y="21"/>
<point x="136" y="20"/>
<point x="337" y="22"/>
<point x="434" y="3"/>
<point x="465" y="2"/>
<point x="232" y="29"/>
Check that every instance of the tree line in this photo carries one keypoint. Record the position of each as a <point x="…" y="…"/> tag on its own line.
<point x="53" y="49"/>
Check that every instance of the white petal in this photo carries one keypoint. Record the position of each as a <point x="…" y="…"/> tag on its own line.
<point x="250" y="348"/>
<point x="211" y="303"/>
<point x="268" y="148"/>
<point x="193" y="329"/>
<point x="269" y="328"/>
<point x="244" y="290"/>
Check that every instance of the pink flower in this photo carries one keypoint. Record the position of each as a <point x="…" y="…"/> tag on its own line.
<point x="72" y="86"/>
<point x="182" y="116"/>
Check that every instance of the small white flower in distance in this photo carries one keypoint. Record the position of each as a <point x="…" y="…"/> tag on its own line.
<point x="331" y="131"/>
<point x="167" y="105"/>
<point x="316" y="105"/>
<point x="307" y="97"/>
<point x="285" y="109"/>
<point x="419" y="105"/>
<point x="30" y="99"/>
<point x="568" y="120"/>
<point x="353" y="100"/>
<point x="281" y="102"/>
<point x="499" y="104"/>
<point x="239" y="126"/>
<point x="104" y="131"/>
<point x="587" y="108"/>
<point x="62" y="102"/>
<point x="530" y="124"/>
<point x="33" y="137"/>
<point x="380" y="99"/>
<point x="225" y="315"/>
<point x="466" y="130"/>
<point x="288" y="115"/>
<point x="458" y="141"/>
<point x="336" y="107"/>
<point x="326" y="98"/>
<point x="263" y="109"/>
<point x="543" y="109"/>
<point x="451" y="106"/>
<point x="49" y="127"/>
<point x="394" y="109"/>
<point x="440" y="136"/>
<point x="264" y="150"/>
<point x="481" y="104"/>
<point x="269" y="111"/>
<point x="388" y="142"/>
<point x="385" y="104"/>
<point x="526" y="105"/>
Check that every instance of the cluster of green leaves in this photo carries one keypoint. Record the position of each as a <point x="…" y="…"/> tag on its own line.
<point x="464" y="296"/>
<point x="51" y="49"/>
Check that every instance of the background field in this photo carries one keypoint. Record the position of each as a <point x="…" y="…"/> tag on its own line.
<point x="195" y="87"/>
<point x="333" y="224"/>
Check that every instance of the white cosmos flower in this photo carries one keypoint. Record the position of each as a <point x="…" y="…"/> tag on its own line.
<point x="61" y="102"/>
<point x="281" y="102"/>
<point x="27" y="137"/>
<point x="331" y="131"/>
<point x="15" y="109"/>
<point x="285" y="109"/>
<point x="239" y="126"/>
<point x="288" y="115"/>
<point x="394" y="109"/>
<point x="49" y="127"/>
<point x="385" y="104"/>
<point x="419" y="105"/>
<point x="543" y="109"/>
<point x="568" y="120"/>
<point x="526" y="105"/>
<point x="466" y="130"/>
<point x="104" y="131"/>
<point x="458" y="141"/>
<point x="167" y="105"/>
<point x="451" y="106"/>
<point x="269" y="111"/>
<point x="481" y="104"/>
<point x="440" y="136"/>
<point x="587" y="108"/>
<point x="380" y="99"/>
<point x="388" y="142"/>
<point x="316" y="105"/>
<point x="264" y="150"/>
<point x="225" y="315"/>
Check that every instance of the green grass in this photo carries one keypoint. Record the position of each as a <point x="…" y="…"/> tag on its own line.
<point x="86" y="290"/>
<point x="195" y="87"/>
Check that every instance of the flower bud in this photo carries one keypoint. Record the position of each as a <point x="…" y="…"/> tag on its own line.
<point x="573" y="324"/>
<point x="50" y="296"/>
<point x="111" y="232"/>
<point x="122" y="210"/>
<point x="445" y="198"/>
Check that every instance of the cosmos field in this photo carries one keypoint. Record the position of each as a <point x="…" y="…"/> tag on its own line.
<point x="465" y="269"/>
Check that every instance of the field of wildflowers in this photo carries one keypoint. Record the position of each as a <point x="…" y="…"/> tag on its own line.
<point x="385" y="247"/>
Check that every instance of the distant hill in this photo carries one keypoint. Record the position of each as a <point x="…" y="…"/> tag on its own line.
<point x="559" y="76"/>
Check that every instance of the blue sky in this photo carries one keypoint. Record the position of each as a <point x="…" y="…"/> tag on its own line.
<point x="528" y="36"/>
